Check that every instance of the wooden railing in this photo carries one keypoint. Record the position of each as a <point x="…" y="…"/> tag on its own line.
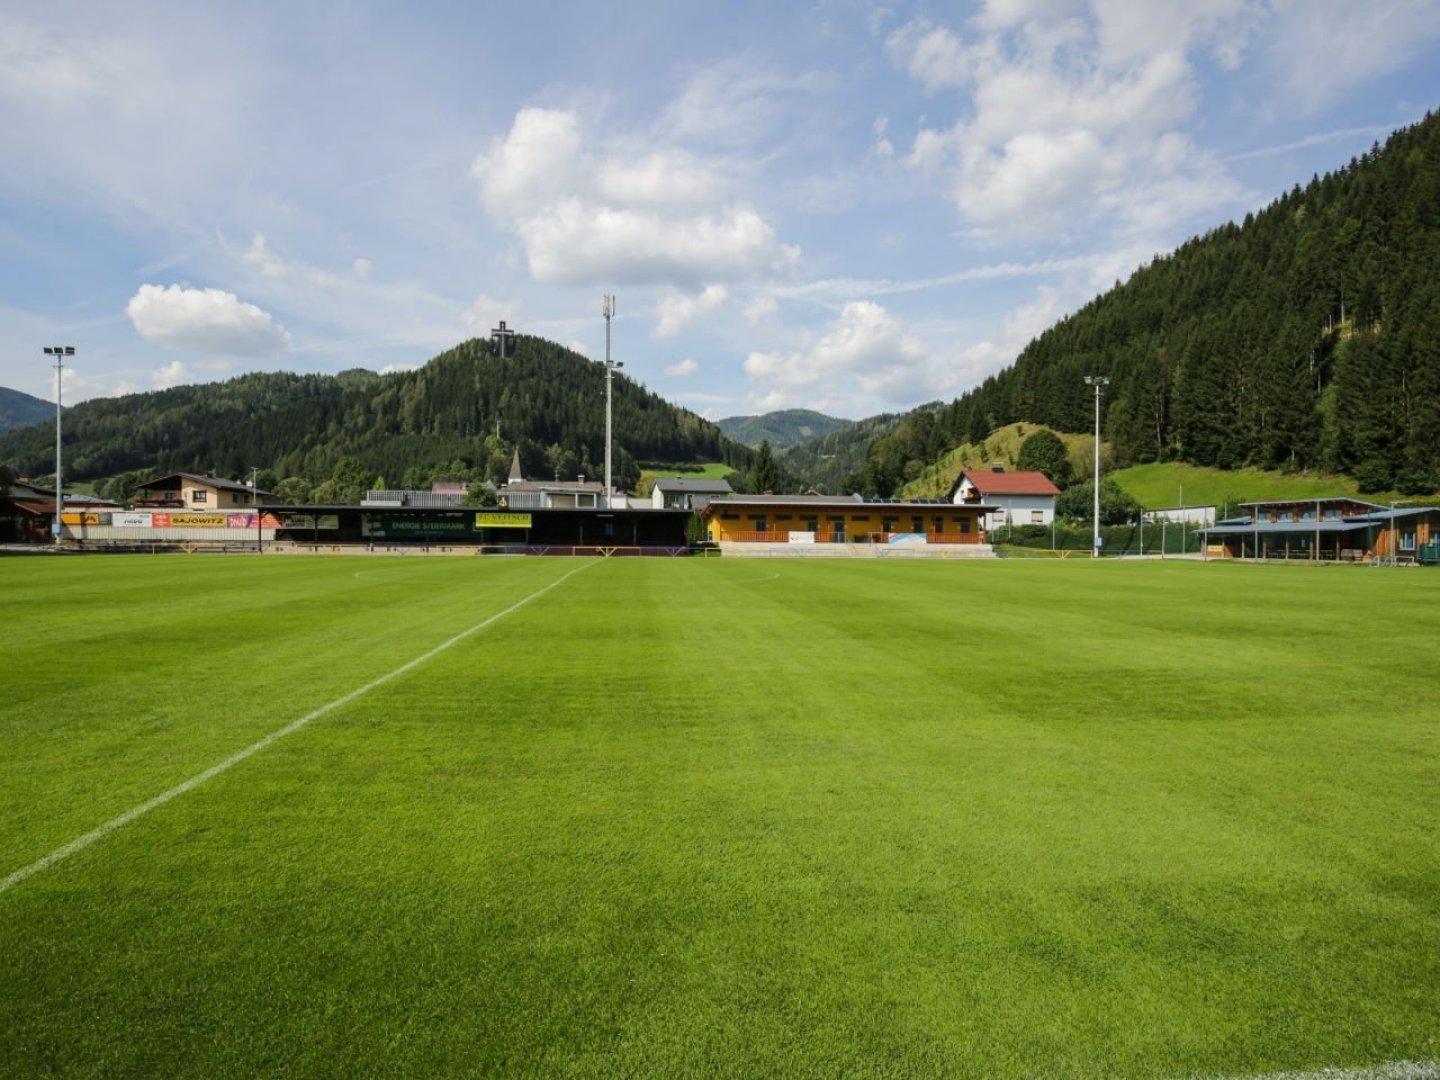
<point x="852" y="538"/>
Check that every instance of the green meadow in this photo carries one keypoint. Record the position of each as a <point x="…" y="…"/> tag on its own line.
<point x="716" y="818"/>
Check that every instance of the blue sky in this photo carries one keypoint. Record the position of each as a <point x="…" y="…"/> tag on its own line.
<point x="854" y="207"/>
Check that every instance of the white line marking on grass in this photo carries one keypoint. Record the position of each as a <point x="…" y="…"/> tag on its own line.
<point x="1386" y="1070"/>
<point x="80" y="843"/>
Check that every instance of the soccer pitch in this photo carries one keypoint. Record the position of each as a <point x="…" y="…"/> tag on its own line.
<point x="735" y="818"/>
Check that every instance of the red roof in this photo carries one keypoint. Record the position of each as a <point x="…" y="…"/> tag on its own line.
<point x="989" y="483"/>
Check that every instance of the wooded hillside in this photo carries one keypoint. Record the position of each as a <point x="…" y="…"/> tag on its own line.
<point x="782" y="429"/>
<point x="1306" y="337"/>
<point x="464" y="413"/>
<point x="17" y="409"/>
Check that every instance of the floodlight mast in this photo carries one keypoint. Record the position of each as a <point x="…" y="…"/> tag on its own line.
<point x="1098" y="382"/>
<point x="608" y="310"/>
<point x="255" y="505"/>
<point x="59" y="352"/>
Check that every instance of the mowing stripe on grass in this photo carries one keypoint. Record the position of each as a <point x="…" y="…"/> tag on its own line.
<point x="1386" y="1070"/>
<point x="80" y="843"/>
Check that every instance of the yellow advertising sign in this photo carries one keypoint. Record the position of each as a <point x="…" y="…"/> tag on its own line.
<point x="502" y="521"/>
<point x="203" y="521"/>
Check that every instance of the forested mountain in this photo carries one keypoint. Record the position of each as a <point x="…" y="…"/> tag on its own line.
<point x="1306" y="337"/>
<point x="832" y="462"/>
<point x="19" y="409"/>
<point x="783" y="429"/>
<point x="462" y="414"/>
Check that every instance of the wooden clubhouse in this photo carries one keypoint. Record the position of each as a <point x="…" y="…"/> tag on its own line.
<point x="839" y="519"/>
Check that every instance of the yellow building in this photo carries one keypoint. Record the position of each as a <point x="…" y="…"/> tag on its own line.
<point x="838" y="519"/>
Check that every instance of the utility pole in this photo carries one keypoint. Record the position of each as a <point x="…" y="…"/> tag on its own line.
<point x="59" y="352"/>
<point x="1099" y="382"/>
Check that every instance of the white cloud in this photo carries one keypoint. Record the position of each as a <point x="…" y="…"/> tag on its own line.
<point x="1321" y="49"/>
<point x="361" y="268"/>
<point x="932" y="54"/>
<point x="180" y="373"/>
<point x="1031" y="171"/>
<point x="649" y="216"/>
<point x="735" y="103"/>
<point x="760" y="309"/>
<point x="1130" y="31"/>
<point x="485" y="313"/>
<point x="678" y="310"/>
<point x="1068" y="103"/>
<point x="262" y="258"/>
<point x="659" y="178"/>
<point x="865" y="349"/>
<point x="882" y="145"/>
<point x="394" y="369"/>
<point x="174" y="373"/>
<point x="204" y="320"/>
<point x="577" y="243"/>
<point x="536" y="163"/>
<point x="683" y="370"/>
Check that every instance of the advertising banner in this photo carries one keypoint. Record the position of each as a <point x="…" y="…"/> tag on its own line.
<point x="802" y="538"/>
<point x="406" y="527"/>
<point x="303" y="521"/>
<point x="247" y="521"/>
<point x="132" y="521"/>
<point x="188" y="521"/>
<point x="70" y="517"/>
<point x="493" y="520"/>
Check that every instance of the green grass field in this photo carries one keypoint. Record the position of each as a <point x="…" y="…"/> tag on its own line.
<point x="731" y="818"/>
<point x="710" y="470"/>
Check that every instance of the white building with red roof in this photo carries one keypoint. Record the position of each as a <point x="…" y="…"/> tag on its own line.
<point x="1013" y="498"/>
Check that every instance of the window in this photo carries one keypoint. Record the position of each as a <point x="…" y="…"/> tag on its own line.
<point x="917" y="524"/>
<point x="963" y="523"/>
<point x="1407" y="541"/>
<point x="782" y="517"/>
<point x="939" y="525"/>
<point x="760" y="522"/>
<point x="1331" y="514"/>
<point x="887" y="524"/>
<point x="1037" y="517"/>
<point x="201" y="496"/>
<point x="812" y="524"/>
<point x="729" y="517"/>
<point x="865" y="518"/>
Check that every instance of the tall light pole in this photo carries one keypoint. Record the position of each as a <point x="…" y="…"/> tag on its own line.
<point x="608" y="310"/>
<point x="1099" y="382"/>
<point x="59" y="352"/>
<point x="255" y="505"/>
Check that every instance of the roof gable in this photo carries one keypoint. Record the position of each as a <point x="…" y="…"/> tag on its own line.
<point x="988" y="482"/>
<point x="699" y="487"/>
